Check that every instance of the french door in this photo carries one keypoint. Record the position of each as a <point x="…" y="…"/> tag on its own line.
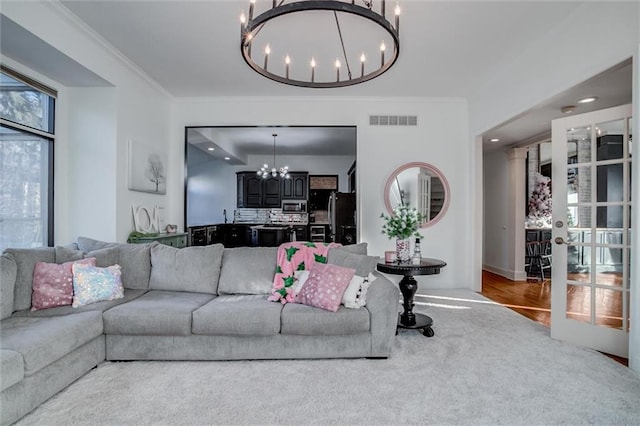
<point x="591" y="229"/>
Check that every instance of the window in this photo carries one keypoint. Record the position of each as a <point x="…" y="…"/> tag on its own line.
<point x="26" y="161"/>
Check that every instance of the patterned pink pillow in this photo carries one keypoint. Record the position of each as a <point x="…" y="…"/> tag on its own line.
<point x="325" y="286"/>
<point x="53" y="284"/>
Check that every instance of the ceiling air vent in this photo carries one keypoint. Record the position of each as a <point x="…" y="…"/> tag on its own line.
<point x="393" y="120"/>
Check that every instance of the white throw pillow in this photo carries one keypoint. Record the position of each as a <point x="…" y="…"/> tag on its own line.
<point x="355" y="296"/>
<point x="301" y="277"/>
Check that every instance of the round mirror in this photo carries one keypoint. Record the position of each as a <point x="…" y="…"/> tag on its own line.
<point x="418" y="185"/>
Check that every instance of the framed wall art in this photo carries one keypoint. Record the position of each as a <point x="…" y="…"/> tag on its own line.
<point x="147" y="168"/>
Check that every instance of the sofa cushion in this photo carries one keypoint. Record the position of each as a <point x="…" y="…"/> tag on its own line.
<point x="89" y="244"/>
<point x="53" y="284"/>
<point x="164" y="313"/>
<point x="310" y="321"/>
<point x="104" y="257"/>
<point x="360" y="248"/>
<point x="135" y="260"/>
<point x="8" y="274"/>
<point x="98" y="306"/>
<point x="364" y="265"/>
<point x="26" y="261"/>
<point x="11" y="368"/>
<point x="92" y="284"/>
<point x="247" y="270"/>
<point x="42" y="341"/>
<point x="66" y="254"/>
<point x="192" y="269"/>
<point x="245" y="315"/>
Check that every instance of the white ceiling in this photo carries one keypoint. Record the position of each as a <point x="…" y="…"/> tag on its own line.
<point x="448" y="49"/>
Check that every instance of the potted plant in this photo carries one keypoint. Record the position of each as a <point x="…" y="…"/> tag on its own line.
<point x="402" y="225"/>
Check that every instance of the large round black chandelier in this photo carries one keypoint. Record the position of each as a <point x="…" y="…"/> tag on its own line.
<point x="306" y="68"/>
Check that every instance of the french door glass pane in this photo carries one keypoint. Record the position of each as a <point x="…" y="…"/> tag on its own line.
<point x="609" y="217"/>
<point x="579" y="185"/>
<point x="609" y="140"/>
<point x="609" y="183"/>
<point x="609" y="307"/>
<point x="24" y="189"/>
<point x="579" y="303"/>
<point x="579" y="145"/>
<point x="630" y="121"/>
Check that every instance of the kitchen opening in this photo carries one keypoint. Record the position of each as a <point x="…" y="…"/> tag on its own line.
<point x="267" y="185"/>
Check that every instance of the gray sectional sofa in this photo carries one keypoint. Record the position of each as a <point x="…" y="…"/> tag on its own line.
<point x="196" y="303"/>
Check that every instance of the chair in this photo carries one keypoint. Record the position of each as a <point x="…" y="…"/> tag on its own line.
<point x="537" y="259"/>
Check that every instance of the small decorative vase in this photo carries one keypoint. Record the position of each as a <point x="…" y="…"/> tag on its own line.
<point x="402" y="249"/>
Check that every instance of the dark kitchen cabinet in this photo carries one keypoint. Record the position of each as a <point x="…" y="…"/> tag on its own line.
<point x="256" y="192"/>
<point x="271" y="192"/>
<point x="296" y="187"/>
<point x="301" y="233"/>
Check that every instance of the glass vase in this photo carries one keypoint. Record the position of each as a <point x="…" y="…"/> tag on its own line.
<point x="402" y="249"/>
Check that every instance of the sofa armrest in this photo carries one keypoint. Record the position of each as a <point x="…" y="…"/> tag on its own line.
<point x="383" y="300"/>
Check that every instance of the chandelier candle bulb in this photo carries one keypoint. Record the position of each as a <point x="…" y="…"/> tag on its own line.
<point x="251" y="4"/>
<point x="382" y="49"/>
<point x="287" y="61"/>
<point x="313" y="70"/>
<point x="267" y="50"/>
<point x="337" y="70"/>
<point x="397" y="11"/>
<point x="243" y="21"/>
<point x="362" y="59"/>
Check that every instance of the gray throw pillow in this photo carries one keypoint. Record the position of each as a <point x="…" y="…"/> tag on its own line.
<point x="104" y="257"/>
<point x="89" y="244"/>
<point x="64" y="254"/>
<point x="360" y="248"/>
<point x="192" y="269"/>
<point x="363" y="265"/>
<point x="8" y="274"/>
<point x="248" y="270"/>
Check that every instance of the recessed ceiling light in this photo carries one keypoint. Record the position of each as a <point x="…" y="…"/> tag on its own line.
<point x="211" y="149"/>
<point x="227" y="158"/>
<point x="587" y="100"/>
<point x="568" y="109"/>
<point x="495" y="140"/>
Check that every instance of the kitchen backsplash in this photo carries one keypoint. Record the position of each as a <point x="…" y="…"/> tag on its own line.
<point x="251" y="215"/>
<point x="268" y="216"/>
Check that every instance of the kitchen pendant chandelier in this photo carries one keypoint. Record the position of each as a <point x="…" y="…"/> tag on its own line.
<point x="265" y="171"/>
<point x="279" y="62"/>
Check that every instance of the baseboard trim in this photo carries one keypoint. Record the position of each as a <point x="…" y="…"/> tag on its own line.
<point x="507" y="273"/>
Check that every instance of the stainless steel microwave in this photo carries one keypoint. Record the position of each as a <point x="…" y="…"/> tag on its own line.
<point x="294" y="206"/>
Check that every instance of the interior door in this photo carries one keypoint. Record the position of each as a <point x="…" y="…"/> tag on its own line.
<point x="591" y="222"/>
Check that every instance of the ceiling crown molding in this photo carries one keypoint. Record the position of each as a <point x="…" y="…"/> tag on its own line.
<point x="79" y="24"/>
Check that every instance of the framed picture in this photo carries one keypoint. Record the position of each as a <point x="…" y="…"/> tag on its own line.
<point x="147" y="168"/>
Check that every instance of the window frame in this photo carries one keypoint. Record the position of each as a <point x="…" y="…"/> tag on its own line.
<point x="49" y="137"/>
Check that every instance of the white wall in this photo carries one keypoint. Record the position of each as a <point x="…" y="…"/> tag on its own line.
<point x="496" y="213"/>
<point x="142" y="112"/>
<point x="439" y="139"/>
<point x="92" y="159"/>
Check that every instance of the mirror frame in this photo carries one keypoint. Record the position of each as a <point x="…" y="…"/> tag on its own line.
<point x="431" y="168"/>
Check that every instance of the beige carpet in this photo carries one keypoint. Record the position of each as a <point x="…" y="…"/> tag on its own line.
<point x="485" y="365"/>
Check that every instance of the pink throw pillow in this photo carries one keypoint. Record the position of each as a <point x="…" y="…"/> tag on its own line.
<point x="325" y="286"/>
<point x="53" y="284"/>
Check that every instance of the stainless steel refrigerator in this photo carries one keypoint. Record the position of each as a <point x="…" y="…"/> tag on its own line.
<point x="342" y="217"/>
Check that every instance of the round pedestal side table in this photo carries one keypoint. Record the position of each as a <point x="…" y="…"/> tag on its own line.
<point x="409" y="286"/>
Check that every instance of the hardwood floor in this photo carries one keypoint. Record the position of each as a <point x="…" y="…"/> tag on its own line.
<point x="533" y="300"/>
